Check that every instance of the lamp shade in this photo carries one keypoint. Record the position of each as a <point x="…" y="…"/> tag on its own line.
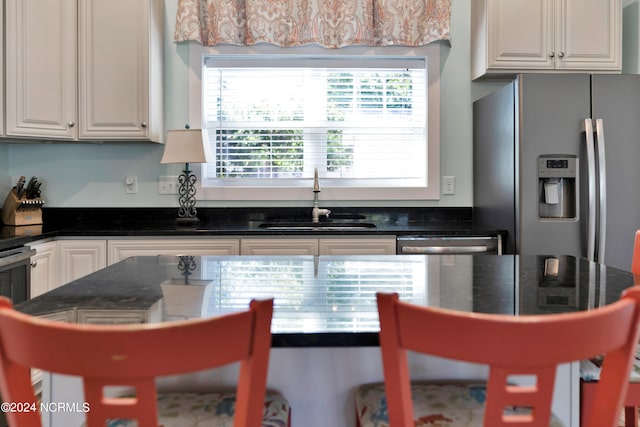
<point x="187" y="146"/>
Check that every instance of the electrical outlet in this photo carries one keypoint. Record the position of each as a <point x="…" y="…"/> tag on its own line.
<point x="130" y="185"/>
<point x="448" y="185"/>
<point x="167" y="185"/>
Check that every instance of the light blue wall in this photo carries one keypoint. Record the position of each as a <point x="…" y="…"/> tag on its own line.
<point x="92" y="175"/>
<point x="4" y="168"/>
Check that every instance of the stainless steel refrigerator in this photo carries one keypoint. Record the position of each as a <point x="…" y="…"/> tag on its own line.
<point x="557" y="164"/>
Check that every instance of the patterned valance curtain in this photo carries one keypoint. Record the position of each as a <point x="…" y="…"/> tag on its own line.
<point x="328" y="23"/>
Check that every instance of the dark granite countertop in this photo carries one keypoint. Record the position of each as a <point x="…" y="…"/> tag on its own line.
<point x="330" y="300"/>
<point x="113" y="222"/>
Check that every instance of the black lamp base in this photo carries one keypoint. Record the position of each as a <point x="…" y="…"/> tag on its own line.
<point x="187" y="198"/>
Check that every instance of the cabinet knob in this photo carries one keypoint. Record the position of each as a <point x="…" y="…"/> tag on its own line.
<point x="552" y="54"/>
<point x="561" y="54"/>
<point x="143" y="124"/>
<point x="34" y="264"/>
<point x="71" y="123"/>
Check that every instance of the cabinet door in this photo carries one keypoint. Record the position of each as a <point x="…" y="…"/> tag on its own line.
<point x="520" y="34"/>
<point x="121" y="249"/>
<point x="81" y="257"/>
<point x="115" y="46"/>
<point x="358" y="246"/>
<point x="41" y="64"/>
<point x="281" y="246"/>
<point x="44" y="269"/>
<point x="588" y="35"/>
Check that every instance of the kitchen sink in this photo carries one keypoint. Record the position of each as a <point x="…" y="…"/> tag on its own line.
<point x="323" y="225"/>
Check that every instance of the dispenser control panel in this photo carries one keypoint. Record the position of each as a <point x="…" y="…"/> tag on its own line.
<point x="557" y="187"/>
<point x="558" y="164"/>
<point x="556" y="167"/>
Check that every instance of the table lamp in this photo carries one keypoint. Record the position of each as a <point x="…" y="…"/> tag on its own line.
<point x="187" y="146"/>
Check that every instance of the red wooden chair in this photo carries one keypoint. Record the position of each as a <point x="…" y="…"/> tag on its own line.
<point x="632" y="400"/>
<point x="509" y="345"/>
<point x="134" y="355"/>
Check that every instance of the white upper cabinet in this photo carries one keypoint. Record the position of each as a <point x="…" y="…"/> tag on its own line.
<point x="590" y="35"/>
<point x="514" y="36"/>
<point x="41" y="68"/>
<point x="120" y="69"/>
<point x="84" y="70"/>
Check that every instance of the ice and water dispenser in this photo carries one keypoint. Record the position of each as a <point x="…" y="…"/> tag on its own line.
<point x="557" y="187"/>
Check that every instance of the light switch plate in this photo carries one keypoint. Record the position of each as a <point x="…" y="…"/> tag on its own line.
<point x="130" y="185"/>
<point x="167" y="185"/>
<point x="448" y="185"/>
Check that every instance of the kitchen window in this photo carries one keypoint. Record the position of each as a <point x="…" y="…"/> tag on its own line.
<point x="363" y="121"/>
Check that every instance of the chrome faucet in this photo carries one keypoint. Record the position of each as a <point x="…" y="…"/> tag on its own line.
<point x="317" y="210"/>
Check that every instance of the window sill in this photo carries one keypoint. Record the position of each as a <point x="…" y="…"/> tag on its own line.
<point x="327" y="193"/>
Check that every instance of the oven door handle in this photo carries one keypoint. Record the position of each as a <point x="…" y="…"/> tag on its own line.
<point x="18" y="256"/>
<point x="445" y="249"/>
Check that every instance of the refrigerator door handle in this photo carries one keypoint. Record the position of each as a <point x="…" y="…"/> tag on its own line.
<point x="602" y="190"/>
<point x="587" y="127"/>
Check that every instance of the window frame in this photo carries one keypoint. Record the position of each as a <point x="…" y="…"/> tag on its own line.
<point x="431" y="190"/>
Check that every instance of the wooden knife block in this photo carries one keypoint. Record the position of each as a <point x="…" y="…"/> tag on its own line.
<point x="21" y="211"/>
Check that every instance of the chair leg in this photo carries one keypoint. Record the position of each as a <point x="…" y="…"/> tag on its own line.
<point x="631" y="416"/>
<point x="586" y="400"/>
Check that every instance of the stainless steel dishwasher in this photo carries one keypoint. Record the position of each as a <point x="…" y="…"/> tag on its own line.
<point x="435" y="245"/>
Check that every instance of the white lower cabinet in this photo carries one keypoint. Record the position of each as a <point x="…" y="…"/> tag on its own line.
<point x="58" y="262"/>
<point x="279" y="246"/>
<point x="81" y="257"/>
<point x="323" y="246"/>
<point x="44" y="268"/>
<point x="119" y="249"/>
<point x="358" y="246"/>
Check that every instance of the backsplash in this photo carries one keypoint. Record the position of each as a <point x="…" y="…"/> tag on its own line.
<point x="61" y="218"/>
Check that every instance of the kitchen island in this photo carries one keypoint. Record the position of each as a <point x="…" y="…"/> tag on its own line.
<point x="325" y="318"/>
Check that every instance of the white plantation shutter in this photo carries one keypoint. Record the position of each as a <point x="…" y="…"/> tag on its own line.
<point x="271" y="121"/>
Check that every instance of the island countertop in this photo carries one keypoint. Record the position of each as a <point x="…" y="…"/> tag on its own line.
<point x="329" y="301"/>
